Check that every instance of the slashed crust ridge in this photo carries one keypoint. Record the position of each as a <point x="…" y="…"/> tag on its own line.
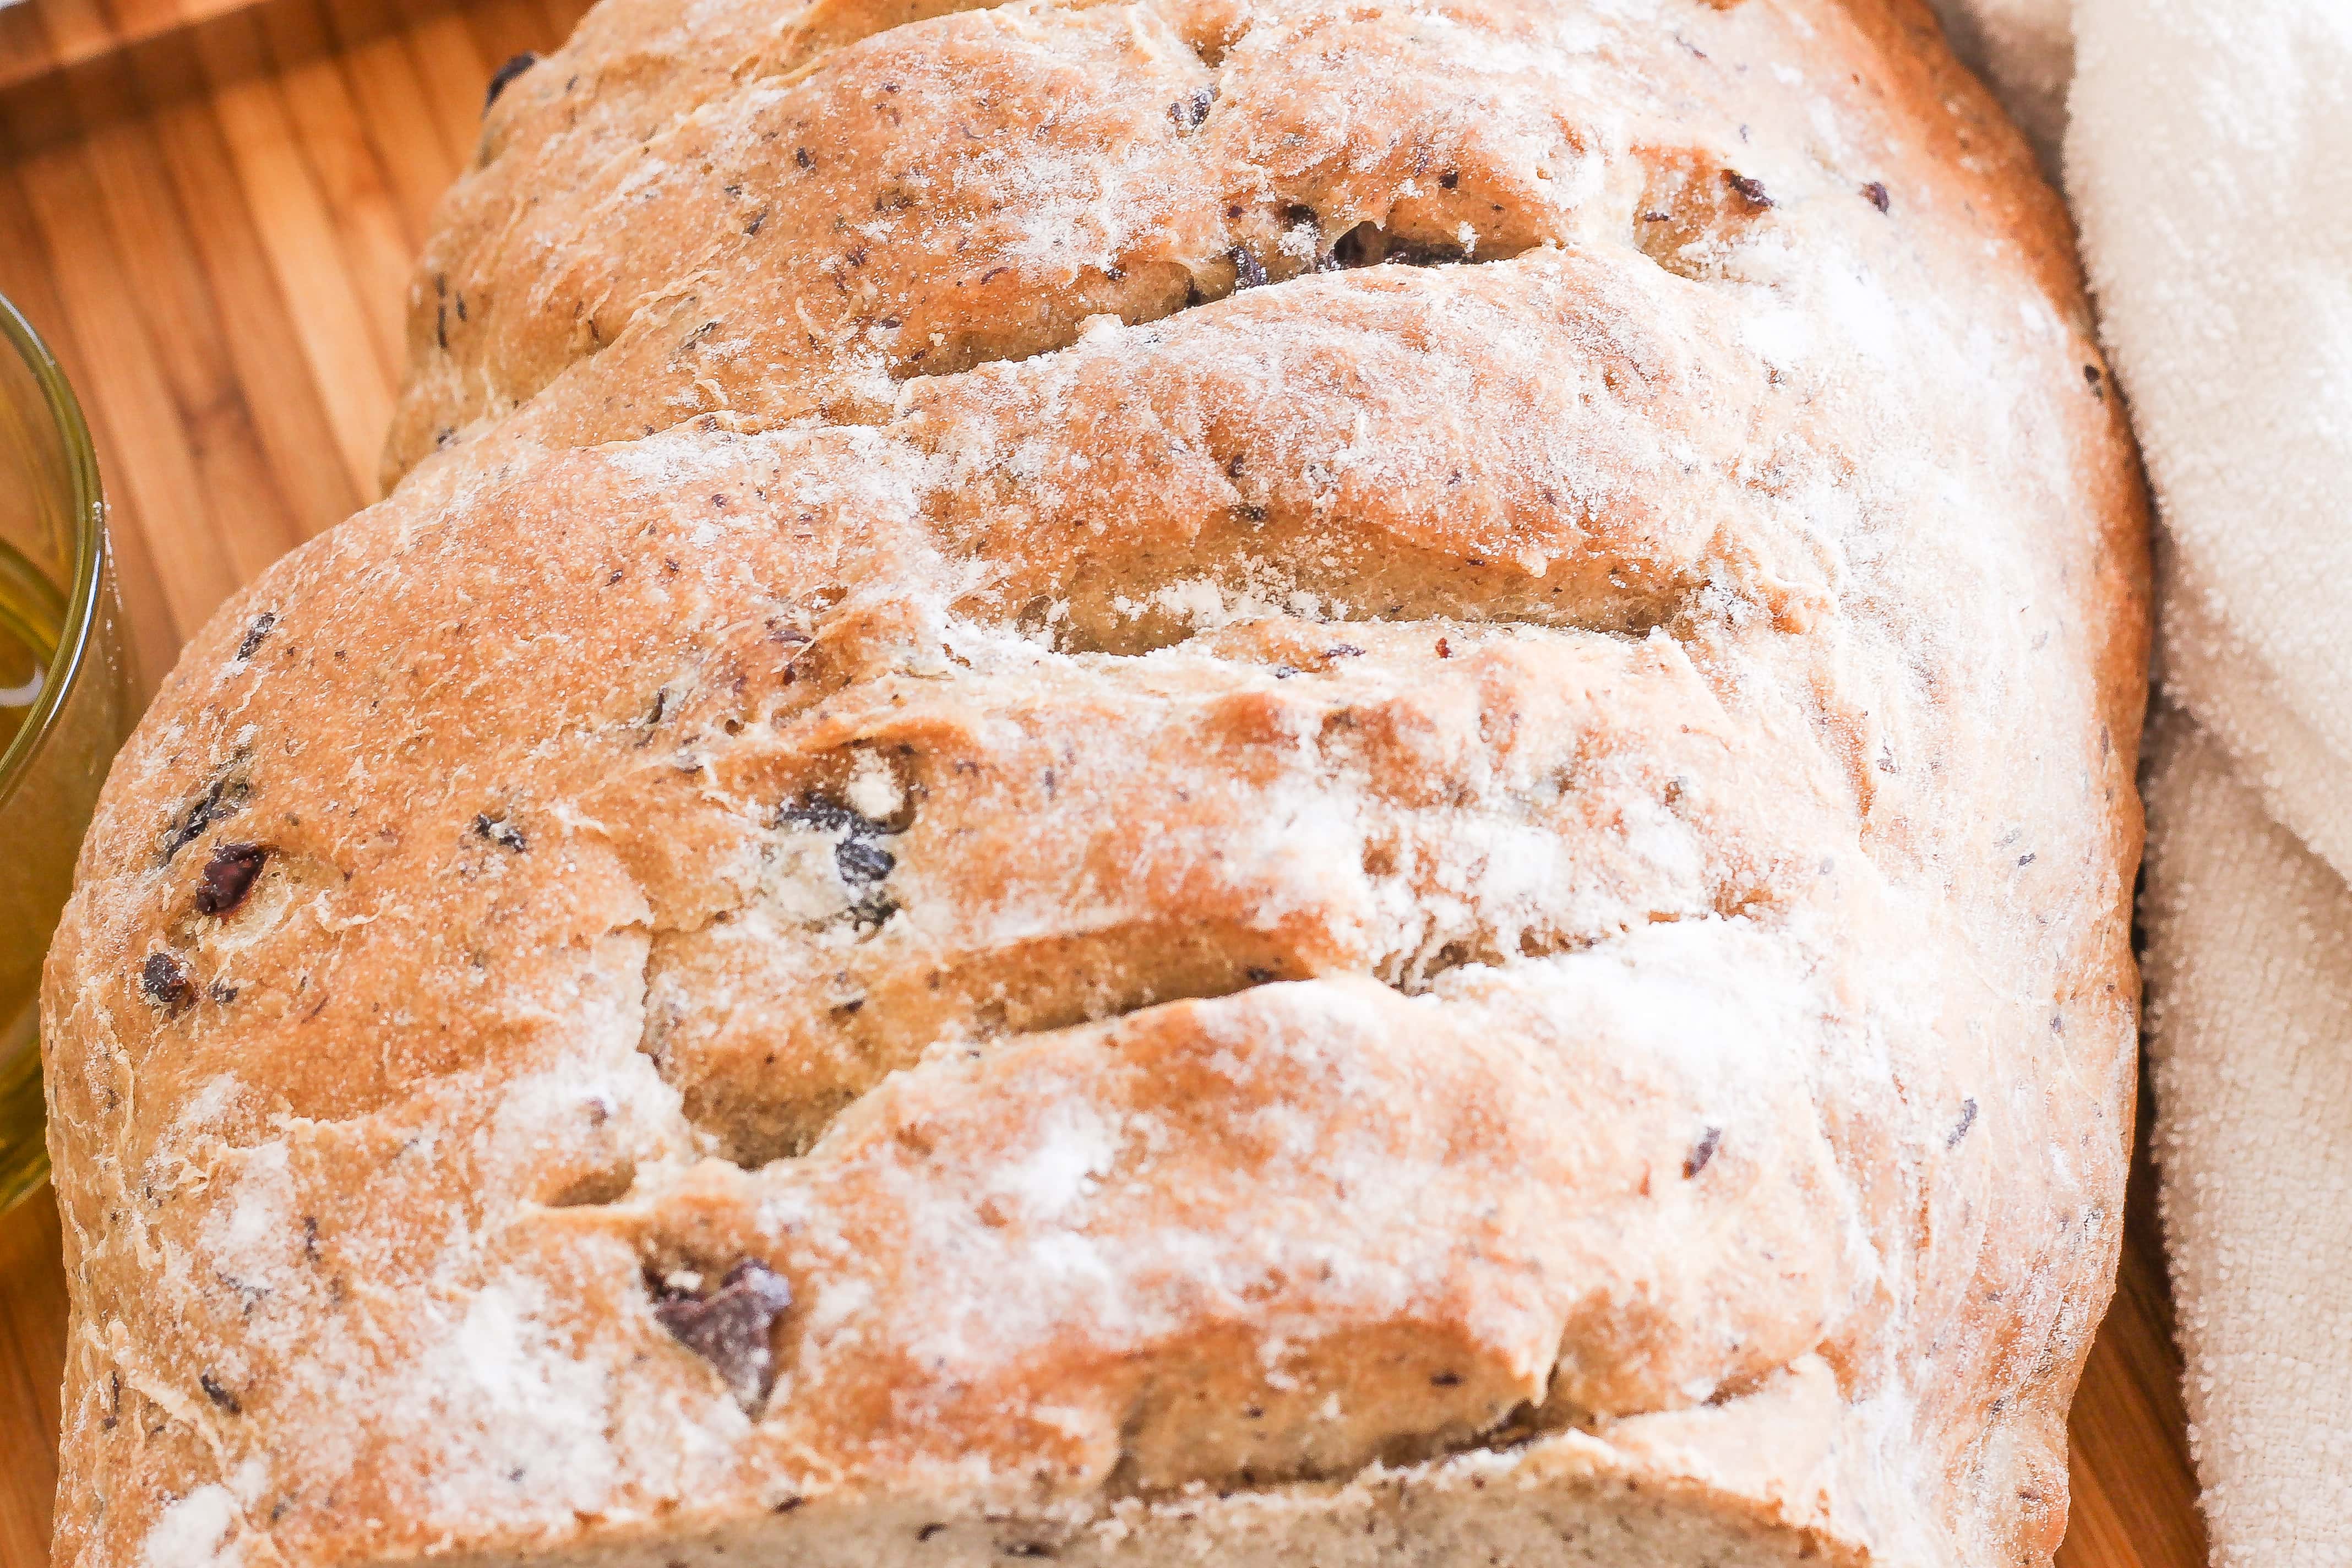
<point x="1099" y="753"/>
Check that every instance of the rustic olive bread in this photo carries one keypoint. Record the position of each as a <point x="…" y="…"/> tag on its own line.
<point x="1313" y="781"/>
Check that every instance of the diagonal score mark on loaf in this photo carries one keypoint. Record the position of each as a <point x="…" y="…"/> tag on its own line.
<point x="975" y="255"/>
<point x="977" y="187"/>
<point x="1360" y="816"/>
<point x="1133" y="1199"/>
<point x="627" y="77"/>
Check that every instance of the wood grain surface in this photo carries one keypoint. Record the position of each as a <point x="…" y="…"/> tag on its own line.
<point x="68" y="64"/>
<point x="217" y="246"/>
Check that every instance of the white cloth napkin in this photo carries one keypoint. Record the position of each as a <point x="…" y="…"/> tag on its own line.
<point x="2208" y="155"/>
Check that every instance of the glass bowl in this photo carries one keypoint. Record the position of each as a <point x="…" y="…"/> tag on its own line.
<point x="66" y="699"/>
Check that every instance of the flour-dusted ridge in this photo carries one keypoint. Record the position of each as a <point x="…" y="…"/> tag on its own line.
<point x="1148" y="783"/>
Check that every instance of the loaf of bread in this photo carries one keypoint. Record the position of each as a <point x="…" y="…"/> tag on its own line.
<point x="1222" y="782"/>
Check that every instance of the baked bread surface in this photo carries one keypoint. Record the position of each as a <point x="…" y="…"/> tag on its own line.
<point x="1161" y="782"/>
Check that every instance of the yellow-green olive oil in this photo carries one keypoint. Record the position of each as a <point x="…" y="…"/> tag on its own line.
<point x="31" y="613"/>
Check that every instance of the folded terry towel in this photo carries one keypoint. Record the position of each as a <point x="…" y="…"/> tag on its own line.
<point x="2253" y="1034"/>
<point x="2208" y="155"/>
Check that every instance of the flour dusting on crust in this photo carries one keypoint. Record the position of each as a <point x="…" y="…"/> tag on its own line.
<point x="1338" y="779"/>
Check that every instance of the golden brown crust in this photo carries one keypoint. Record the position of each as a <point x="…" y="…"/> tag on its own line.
<point x="1269" y="739"/>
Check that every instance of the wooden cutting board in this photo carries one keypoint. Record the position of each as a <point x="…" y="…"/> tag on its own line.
<point x="209" y="208"/>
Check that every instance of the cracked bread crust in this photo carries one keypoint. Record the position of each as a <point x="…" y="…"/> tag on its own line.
<point x="1148" y="783"/>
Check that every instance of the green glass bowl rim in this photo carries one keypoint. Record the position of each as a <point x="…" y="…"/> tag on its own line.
<point x="75" y="637"/>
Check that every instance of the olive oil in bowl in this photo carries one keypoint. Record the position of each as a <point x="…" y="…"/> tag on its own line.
<point x="32" y="611"/>
<point x="65" y="697"/>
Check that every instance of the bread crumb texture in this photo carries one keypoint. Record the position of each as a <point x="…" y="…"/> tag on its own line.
<point x="1162" y="781"/>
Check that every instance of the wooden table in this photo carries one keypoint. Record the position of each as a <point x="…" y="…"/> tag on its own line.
<point x="209" y="208"/>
